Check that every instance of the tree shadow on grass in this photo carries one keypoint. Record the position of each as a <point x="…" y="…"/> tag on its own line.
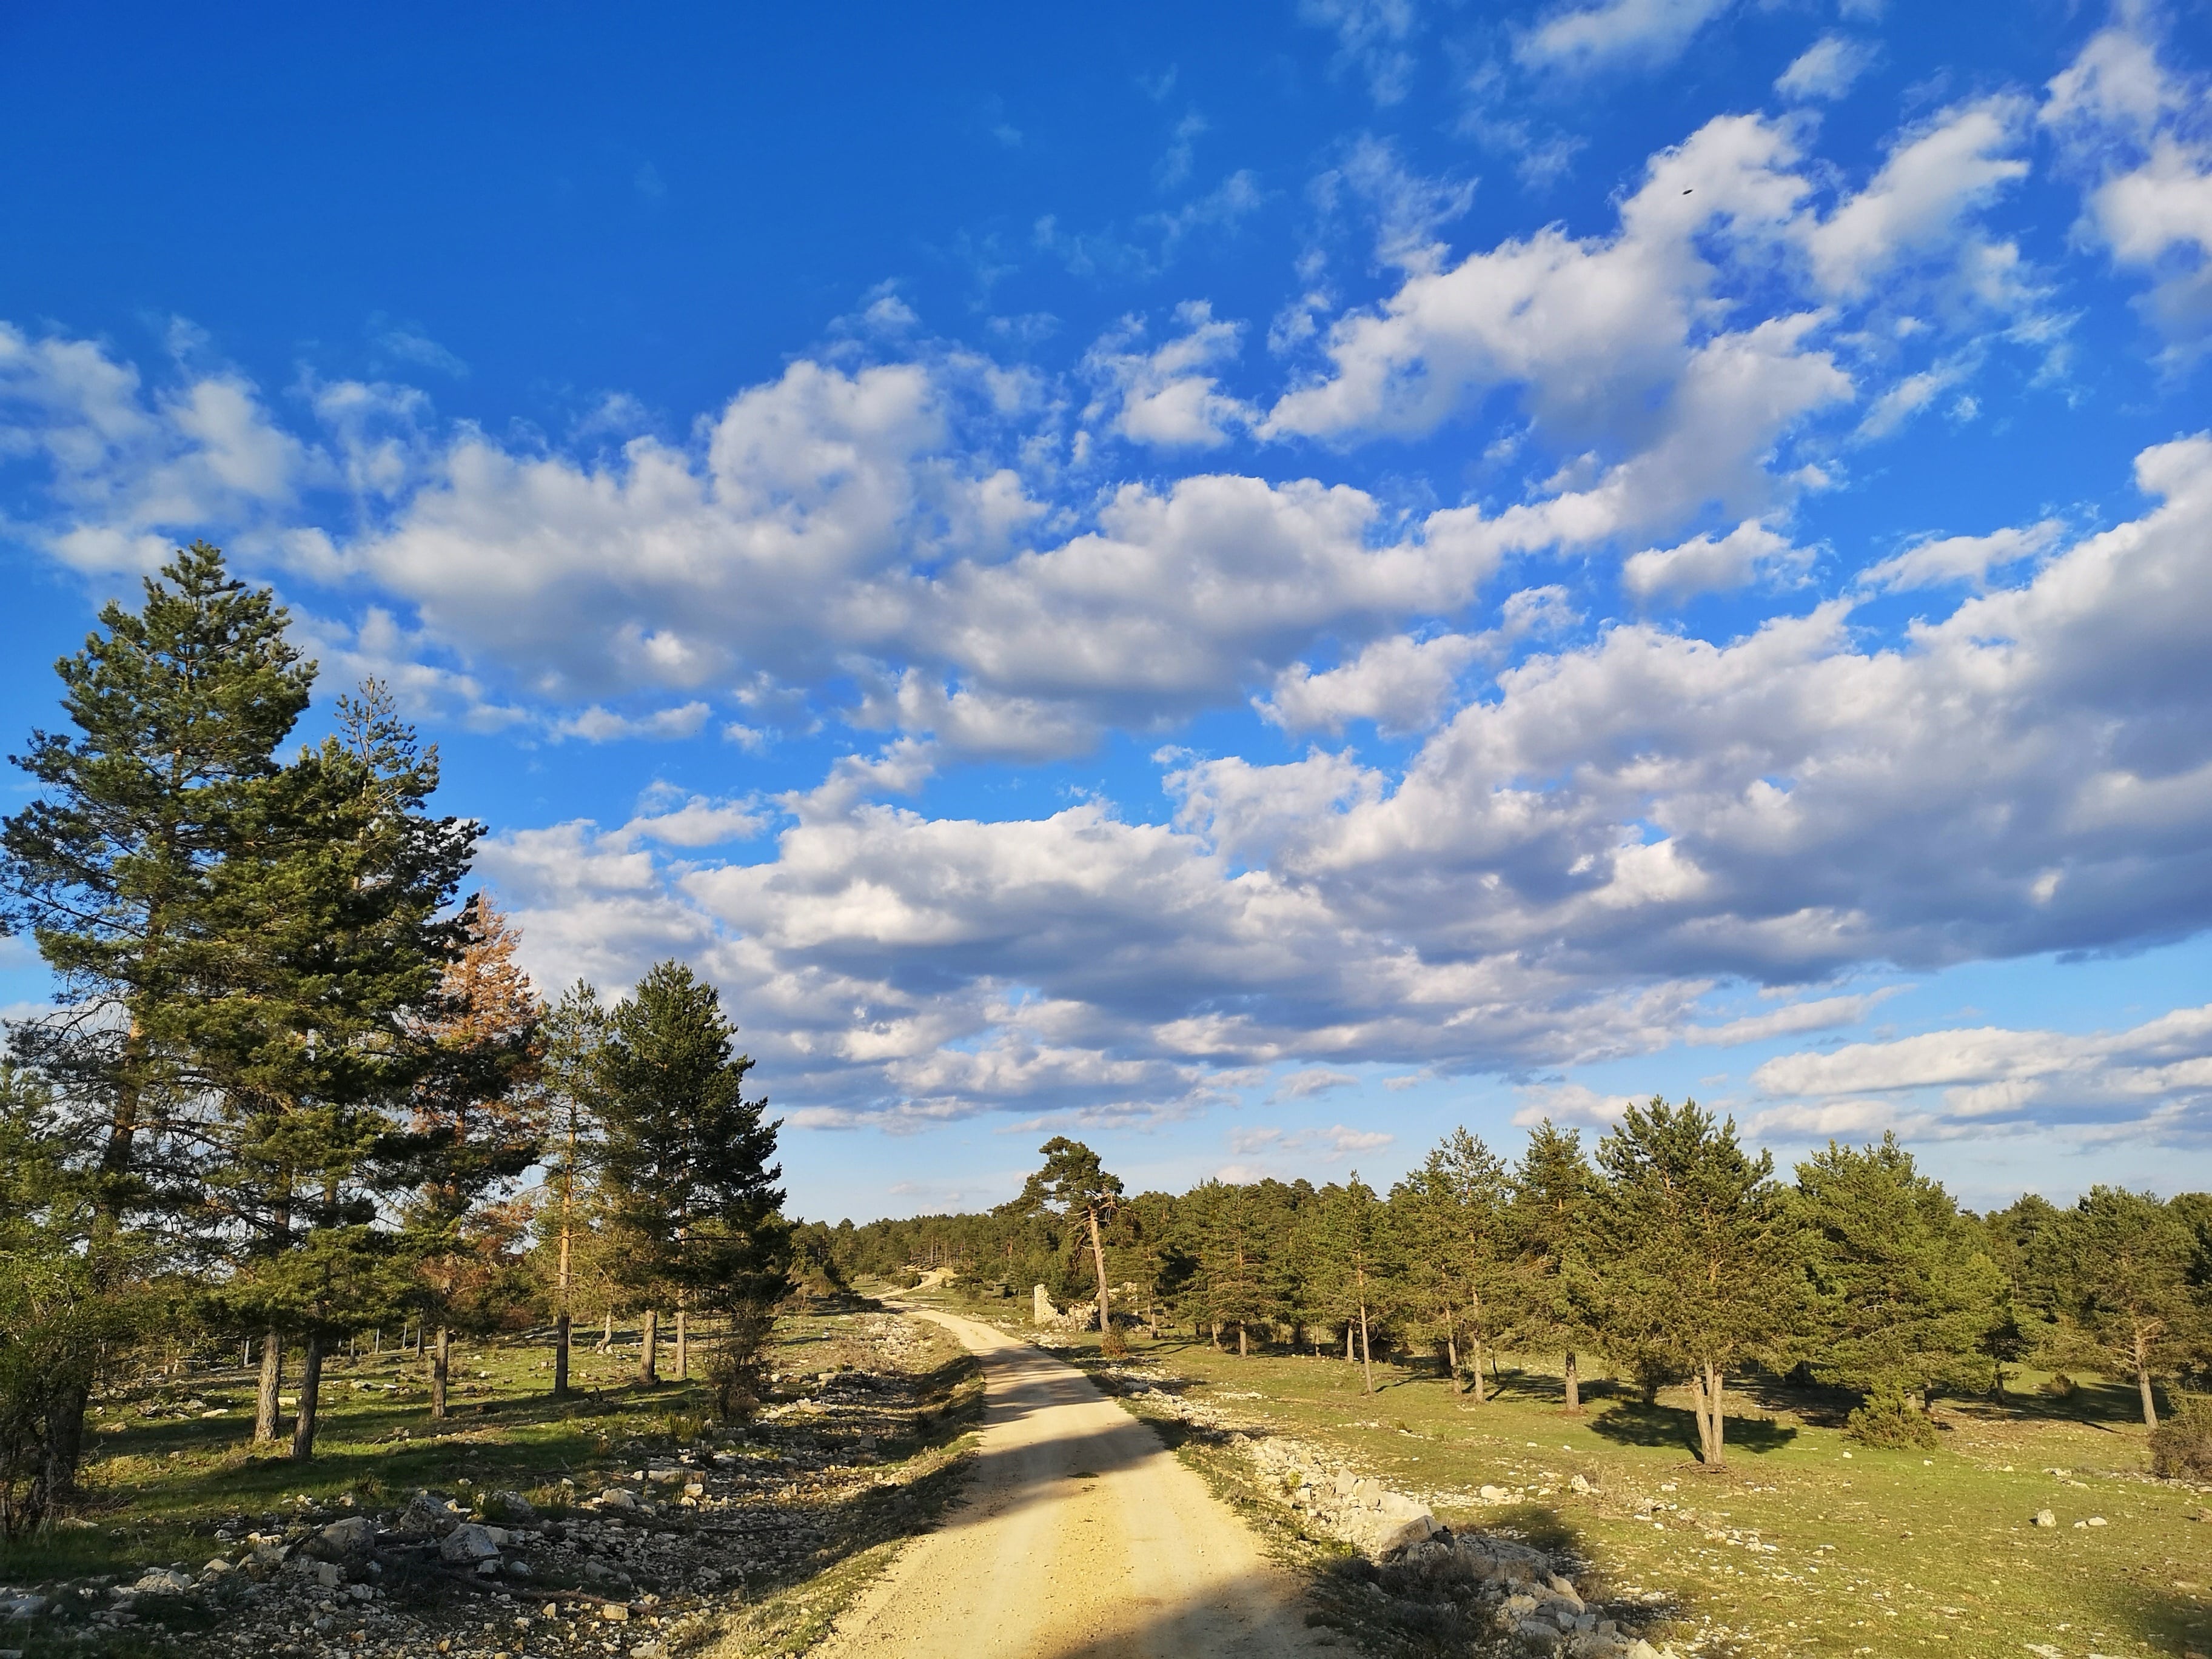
<point x="1631" y="1423"/>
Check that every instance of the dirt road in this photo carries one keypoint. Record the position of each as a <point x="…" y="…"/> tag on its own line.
<point x="1082" y="1538"/>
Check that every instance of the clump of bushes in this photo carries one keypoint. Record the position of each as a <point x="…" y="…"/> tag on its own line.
<point x="2181" y="1447"/>
<point x="2058" y="1386"/>
<point x="1892" y="1421"/>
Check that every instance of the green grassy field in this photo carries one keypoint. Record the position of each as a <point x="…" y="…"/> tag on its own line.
<point x="1805" y="1544"/>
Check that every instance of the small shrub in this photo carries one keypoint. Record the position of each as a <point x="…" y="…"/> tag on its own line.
<point x="2058" y="1386"/>
<point x="2181" y="1447"/>
<point x="552" y="1499"/>
<point x="1891" y="1421"/>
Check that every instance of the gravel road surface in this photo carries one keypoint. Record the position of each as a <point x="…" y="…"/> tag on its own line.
<point x="1081" y="1538"/>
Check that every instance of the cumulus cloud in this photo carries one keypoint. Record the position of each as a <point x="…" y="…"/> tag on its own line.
<point x="1562" y="873"/>
<point x="2155" y="1078"/>
<point x="1401" y="683"/>
<point x="1711" y="564"/>
<point x="1570" y="1105"/>
<point x="1817" y="1014"/>
<point x="1335" y="1144"/>
<point x="2137" y="132"/>
<point x="675" y="819"/>
<point x="598" y="725"/>
<point x="1938" y="560"/>
<point x="1616" y="33"/>
<point x="1924" y="199"/>
<point x="128" y="473"/>
<point x="1168" y="397"/>
<point x="1826" y="69"/>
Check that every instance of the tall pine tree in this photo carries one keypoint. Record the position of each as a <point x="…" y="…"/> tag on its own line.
<point x="1550" y="1220"/>
<point x="691" y="1192"/>
<point x="1697" y="1251"/>
<point x="178" y="708"/>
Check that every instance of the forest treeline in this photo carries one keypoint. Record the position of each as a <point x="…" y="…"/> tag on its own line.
<point x="1668" y="1248"/>
<point x="294" y="1079"/>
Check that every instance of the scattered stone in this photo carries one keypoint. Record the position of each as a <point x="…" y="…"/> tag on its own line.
<point x="350" y="1540"/>
<point x="468" y="1544"/>
<point x="2045" y="1518"/>
<point x="429" y="1514"/>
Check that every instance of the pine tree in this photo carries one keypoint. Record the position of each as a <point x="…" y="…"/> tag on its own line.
<point x="575" y="1029"/>
<point x="1451" y="1218"/>
<point x="1697" y="1251"/>
<point x="1356" y="1261"/>
<point x="1549" y="1219"/>
<point x="179" y="708"/>
<point x="1904" y="1299"/>
<point x="691" y="1193"/>
<point x="2121" y="1262"/>
<point x="1075" y="1186"/>
<point x="318" y="1041"/>
<point x="1234" y="1244"/>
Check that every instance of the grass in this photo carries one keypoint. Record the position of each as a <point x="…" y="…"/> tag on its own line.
<point x="1872" y="1551"/>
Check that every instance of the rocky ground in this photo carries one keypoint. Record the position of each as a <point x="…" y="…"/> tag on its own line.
<point x="645" y="1560"/>
<point x="1468" y="1587"/>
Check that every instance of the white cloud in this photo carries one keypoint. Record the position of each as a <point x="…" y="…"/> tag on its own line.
<point x="1308" y="1082"/>
<point x="1923" y="200"/>
<point x="1561" y="874"/>
<point x="131" y="476"/>
<point x="1634" y="33"/>
<point x="1408" y="210"/>
<point x="1335" y="1144"/>
<point x="2138" y="132"/>
<point x="1819" y="1014"/>
<point x="1168" y="397"/>
<point x="1372" y="38"/>
<point x="675" y="819"/>
<point x="598" y="725"/>
<point x="1940" y="560"/>
<point x="1569" y="1104"/>
<point x="2155" y="1077"/>
<point x="1401" y="683"/>
<point x="1708" y="563"/>
<point x="1826" y="69"/>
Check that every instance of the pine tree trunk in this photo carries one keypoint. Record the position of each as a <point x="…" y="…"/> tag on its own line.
<point x="266" y="1408"/>
<point x="1574" y="1380"/>
<point x="561" y="1321"/>
<point x="1244" y="1349"/>
<point x="1707" y="1389"/>
<point x="64" y="1439"/>
<point x="1347" y="1342"/>
<point x="607" y="1336"/>
<point x="311" y="1384"/>
<point x="1216" y="1335"/>
<point x="648" y="1350"/>
<point x="561" y="1357"/>
<point x="683" y="1347"/>
<point x="1366" y="1357"/>
<point x="440" y="1367"/>
<point x="1481" y="1397"/>
<point x="1451" y="1361"/>
<point x="1108" y="1343"/>
<point x="2143" y="1380"/>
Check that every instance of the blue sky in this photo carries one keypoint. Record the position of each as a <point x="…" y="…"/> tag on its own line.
<point x="1250" y="585"/>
